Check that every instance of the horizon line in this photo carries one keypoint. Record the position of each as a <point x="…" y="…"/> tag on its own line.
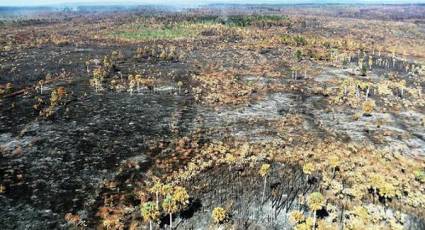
<point x="206" y="3"/>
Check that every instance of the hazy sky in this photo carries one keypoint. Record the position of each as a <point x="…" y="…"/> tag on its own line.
<point x="192" y="2"/>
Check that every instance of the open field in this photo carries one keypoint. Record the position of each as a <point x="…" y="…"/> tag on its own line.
<point x="219" y="117"/>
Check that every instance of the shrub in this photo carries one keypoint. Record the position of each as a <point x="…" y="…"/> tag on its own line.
<point x="368" y="106"/>
<point x="308" y="168"/>
<point x="181" y="196"/>
<point x="420" y="175"/>
<point x="56" y="98"/>
<point x="296" y="217"/>
<point x="299" y="55"/>
<point x="7" y="90"/>
<point x="219" y="215"/>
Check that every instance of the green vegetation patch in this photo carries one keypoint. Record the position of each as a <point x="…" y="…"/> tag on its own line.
<point x="145" y="33"/>
<point x="191" y="27"/>
<point x="243" y="20"/>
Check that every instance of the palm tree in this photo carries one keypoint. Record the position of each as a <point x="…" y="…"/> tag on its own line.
<point x="264" y="171"/>
<point x="150" y="213"/>
<point x="170" y="206"/>
<point x="315" y="202"/>
<point x="166" y="189"/>
<point x="132" y="83"/>
<point x="334" y="162"/>
<point x="40" y="84"/>
<point x="156" y="189"/>
<point x="296" y="217"/>
<point x="402" y="87"/>
<point x="308" y="169"/>
<point x="179" y="84"/>
<point x="138" y="79"/>
<point x="88" y="67"/>
<point x="363" y="70"/>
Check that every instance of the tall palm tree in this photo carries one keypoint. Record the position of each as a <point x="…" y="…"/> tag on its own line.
<point x="150" y="213"/>
<point x="170" y="206"/>
<point x="264" y="171"/>
<point x="315" y="202"/>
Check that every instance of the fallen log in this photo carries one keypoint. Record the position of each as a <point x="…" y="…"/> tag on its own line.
<point x="16" y="93"/>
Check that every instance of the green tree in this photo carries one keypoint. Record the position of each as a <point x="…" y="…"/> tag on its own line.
<point x="170" y="206"/>
<point x="315" y="202"/>
<point x="156" y="189"/>
<point x="150" y="213"/>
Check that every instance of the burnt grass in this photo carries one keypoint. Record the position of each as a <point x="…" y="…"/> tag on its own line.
<point x="54" y="166"/>
<point x="239" y="188"/>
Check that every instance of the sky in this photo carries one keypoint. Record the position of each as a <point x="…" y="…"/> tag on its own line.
<point x="190" y="2"/>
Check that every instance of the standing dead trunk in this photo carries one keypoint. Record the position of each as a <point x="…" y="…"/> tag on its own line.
<point x="264" y="189"/>
<point x="342" y="219"/>
<point x="171" y="221"/>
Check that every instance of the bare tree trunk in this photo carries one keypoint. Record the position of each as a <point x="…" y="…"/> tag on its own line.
<point x="150" y="225"/>
<point x="264" y="189"/>
<point x="171" y="221"/>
